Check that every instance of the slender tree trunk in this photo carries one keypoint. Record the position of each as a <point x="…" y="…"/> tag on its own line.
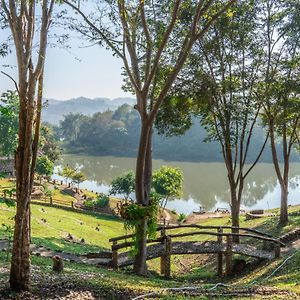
<point x="284" y="204"/>
<point x="140" y="260"/>
<point x="285" y="183"/>
<point x="143" y="185"/>
<point x="283" y="180"/>
<point x="235" y="211"/>
<point x="20" y="262"/>
<point x="148" y="167"/>
<point x="140" y="191"/>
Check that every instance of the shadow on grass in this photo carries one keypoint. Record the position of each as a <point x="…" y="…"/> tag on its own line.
<point x="60" y="244"/>
<point x="98" y="216"/>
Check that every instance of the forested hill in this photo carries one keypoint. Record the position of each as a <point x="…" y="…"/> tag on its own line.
<point x="116" y="132"/>
<point x="55" y="110"/>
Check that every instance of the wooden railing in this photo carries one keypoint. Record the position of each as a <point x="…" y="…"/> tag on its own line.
<point x="127" y="236"/>
<point x="48" y="200"/>
<point x="166" y="239"/>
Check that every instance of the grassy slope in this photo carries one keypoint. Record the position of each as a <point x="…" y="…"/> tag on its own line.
<point x="61" y="222"/>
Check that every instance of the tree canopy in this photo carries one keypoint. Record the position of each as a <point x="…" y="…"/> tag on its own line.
<point x="9" y="111"/>
<point x="123" y="185"/>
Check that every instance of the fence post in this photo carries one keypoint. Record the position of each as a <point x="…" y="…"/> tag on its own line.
<point x="168" y="247"/>
<point x="228" y="255"/>
<point x="51" y="201"/>
<point x="277" y="251"/>
<point x="220" y="255"/>
<point x="162" y="258"/>
<point x="265" y="245"/>
<point x="114" y="256"/>
<point x="72" y="204"/>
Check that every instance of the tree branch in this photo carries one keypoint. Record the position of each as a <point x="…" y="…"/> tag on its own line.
<point x="14" y="81"/>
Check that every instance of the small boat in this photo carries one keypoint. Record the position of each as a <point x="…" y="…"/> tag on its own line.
<point x="200" y="211"/>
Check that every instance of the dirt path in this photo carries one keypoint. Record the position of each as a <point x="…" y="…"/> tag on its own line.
<point x="44" y="252"/>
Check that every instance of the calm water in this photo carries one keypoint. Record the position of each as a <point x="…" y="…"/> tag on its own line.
<point x="205" y="184"/>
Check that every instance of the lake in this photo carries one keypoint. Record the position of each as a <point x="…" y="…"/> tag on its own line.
<point x="205" y="184"/>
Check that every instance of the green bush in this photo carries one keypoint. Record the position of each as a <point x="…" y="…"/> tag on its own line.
<point x="89" y="203"/>
<point x="181" y="218"/>
<point x="102" y="201"/>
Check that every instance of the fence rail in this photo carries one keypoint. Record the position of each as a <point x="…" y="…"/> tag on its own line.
<point x="172" y="227"/>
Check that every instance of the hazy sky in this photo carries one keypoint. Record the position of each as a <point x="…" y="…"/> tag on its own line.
<point x="90" y="72"/>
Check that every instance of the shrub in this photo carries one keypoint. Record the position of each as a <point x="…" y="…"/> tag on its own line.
<point x="102" y="201"/>
<point x="90" y="203"/>
<point x="181" y="218"/>
<point x="124" y="184"/>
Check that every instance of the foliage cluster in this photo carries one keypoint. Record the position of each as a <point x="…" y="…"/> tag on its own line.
<point x="167" y="182"/>
<point x="133" y="215"/>
<point x="9" y="110"/>
<point x="44" y="166"/>
<point x="101" y="201"/>
<point x="72" y="175"/>
<point x="123" y="184"/>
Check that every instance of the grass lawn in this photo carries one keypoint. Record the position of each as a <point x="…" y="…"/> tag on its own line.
<point x="5" y="183"/>
<point x="51" y="225"/>
<point x="61" y="222"/>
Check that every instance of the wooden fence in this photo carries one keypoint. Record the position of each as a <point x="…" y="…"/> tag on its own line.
<point x="167" y="244"/>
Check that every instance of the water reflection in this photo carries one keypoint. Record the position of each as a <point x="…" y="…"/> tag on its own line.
<point x="205" y="184"/>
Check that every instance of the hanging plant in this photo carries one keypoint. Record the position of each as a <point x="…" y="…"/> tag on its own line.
<point x="134" y="213"/>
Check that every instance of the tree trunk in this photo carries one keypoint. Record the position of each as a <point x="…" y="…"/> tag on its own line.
<point x="283" y="179"/>
<point x="20" y="263"/>
<point x="142" y="190"/>
<point x="140" y="260"/>
<point x="235" y="212"/>
<point x="148" y="167"/>
<point x="284" y="205"/>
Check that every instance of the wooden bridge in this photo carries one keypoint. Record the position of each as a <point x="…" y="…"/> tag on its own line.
<point x="252" y="243"/>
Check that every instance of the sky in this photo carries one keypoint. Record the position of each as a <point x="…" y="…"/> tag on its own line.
<point x="69" y="73"/>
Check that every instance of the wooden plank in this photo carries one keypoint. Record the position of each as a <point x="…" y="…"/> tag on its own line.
<point x="129" y="244"/>
<point x="252" y="251"/>
<point x="179" y="248"/>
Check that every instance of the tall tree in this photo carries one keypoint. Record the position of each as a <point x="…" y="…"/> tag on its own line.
<point x="279" y="88"/>
<point x="218" y="84"/>
<point x="26" y="28"/>
<point x="142" y="33"/>
<point x="230" y="109"/>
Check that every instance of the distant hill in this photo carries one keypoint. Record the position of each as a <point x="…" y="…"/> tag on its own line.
<point x="54" y="110"/>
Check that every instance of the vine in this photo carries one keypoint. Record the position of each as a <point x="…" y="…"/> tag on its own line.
<point x="134" y="213"/>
